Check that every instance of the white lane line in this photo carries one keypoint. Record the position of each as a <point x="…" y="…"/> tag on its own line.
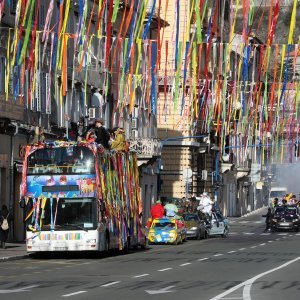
<point x="277" y="239"/>
<point x="182" y="265"/>
<point x="297" y="234"/>
<point x="233" y="233"/>
<point x="262" y="244"/>
<point x="166" y="269"/>
<point x="290" y="235"/>
<point x="270" y="241"/>
<point x="142" y="275"/>
<point x="218" y="254"/>
<point x="258" y="222"/>
<point x="73" y="294"/>
<point x="265" y="233"/>
<point x="244" y="222"/>
<point x="282" y="233"/>
<point x="249" y="233"/>
<point x="253" y="247"/>
<point x="202" y="259"/>
<point x="233" y="251"/>
<point x="242" y="249"/>
<point x="248" y="283"/>
<point x="110" y="283"/>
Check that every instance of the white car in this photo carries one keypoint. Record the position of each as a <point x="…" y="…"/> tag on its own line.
<point x="218" y="225"/>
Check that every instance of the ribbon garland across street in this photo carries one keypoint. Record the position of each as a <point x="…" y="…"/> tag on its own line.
<point x="244" y="87"/>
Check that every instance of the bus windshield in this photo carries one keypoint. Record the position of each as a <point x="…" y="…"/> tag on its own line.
<point x="63" y="160"/>
<point x="65" y="214"/>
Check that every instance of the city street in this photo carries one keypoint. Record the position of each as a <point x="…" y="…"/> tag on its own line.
<point x="249" y="264"/>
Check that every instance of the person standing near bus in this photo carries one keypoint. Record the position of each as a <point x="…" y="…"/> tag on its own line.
<point x="5" y="220"/>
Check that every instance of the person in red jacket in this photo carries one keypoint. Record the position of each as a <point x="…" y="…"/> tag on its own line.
<point x="157" y="210"/>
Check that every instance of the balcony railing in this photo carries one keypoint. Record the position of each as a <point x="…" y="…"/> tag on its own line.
<point x="145" y="147"/>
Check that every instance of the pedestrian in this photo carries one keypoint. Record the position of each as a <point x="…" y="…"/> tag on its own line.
<point x="5" y="220"/>
<point x="268" y="217"/>
<point x="102" y="135"/>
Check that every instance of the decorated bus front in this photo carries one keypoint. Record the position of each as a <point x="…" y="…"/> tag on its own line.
<point x="60" y="198"/>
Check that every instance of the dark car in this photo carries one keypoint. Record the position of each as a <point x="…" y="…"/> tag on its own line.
<point x="195" y="227"/>
<point x="286" y="217"/>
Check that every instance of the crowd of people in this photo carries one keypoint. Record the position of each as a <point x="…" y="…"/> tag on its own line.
<point x="112" y="139"/>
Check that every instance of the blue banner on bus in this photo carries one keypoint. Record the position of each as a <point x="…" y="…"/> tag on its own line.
<point x="61" y="186"/>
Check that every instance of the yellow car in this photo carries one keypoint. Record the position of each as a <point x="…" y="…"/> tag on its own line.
<point x="165" y="231"/>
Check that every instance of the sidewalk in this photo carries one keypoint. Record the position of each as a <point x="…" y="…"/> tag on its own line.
<point x="13" y="251"/>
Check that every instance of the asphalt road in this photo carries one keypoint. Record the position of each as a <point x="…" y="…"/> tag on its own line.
<point x="247" y="265"/>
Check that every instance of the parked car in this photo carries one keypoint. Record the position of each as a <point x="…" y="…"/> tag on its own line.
<point x="216" y="225"/>
<point x="196" y="228"/>
<point x="286" y="217"/>
<point x="166" y="231"/>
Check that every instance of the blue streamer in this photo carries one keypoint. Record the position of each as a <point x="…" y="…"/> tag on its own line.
<point x="153" y="77"/>
<point x="147" y="27"/>
<point x="177" y="33"/>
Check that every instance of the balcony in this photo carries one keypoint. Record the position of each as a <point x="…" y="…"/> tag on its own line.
<point x="145" y="148"/>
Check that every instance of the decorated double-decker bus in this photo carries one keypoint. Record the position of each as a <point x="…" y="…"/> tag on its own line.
<point x="79" y="196"/>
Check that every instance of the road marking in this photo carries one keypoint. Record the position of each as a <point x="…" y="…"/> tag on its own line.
<point x="249" y="233"/>
<point x="219" y="254"/>
<point x="242" y="249"/>
<point x="297" y="233"/>
<point x="277" y="239"/>
<point x="76" y="293"/>
<point x="253" y="247"/>
<point x="161" y="291"/>
<point x="233" y="251"/>
<point x="166" y="269"/>
<point x="248" y="283"/>
<point x="110" y="283"/>
<point x="20" y="290"/>
<point x="262" y="244"/>
<point x="182" y="265"/>
<point x="142" y="275"/>
<point x="282" y="233"/>
<point x="244" y="222"/>
<point x="233" y="233"/>
<point x="270" y="241"/>
<point x="202" y="259"/>
<point x="265" y="233"/>
<point x="258" y="222"/>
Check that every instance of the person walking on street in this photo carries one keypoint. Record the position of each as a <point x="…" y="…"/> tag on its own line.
<point x="5" y="220"/>
<point x="268" y="217"/>
<point x="102" y="135"/>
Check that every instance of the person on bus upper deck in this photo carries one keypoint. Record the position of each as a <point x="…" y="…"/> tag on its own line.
<point x="102" y="135"/>
<point x="118" y="144"/>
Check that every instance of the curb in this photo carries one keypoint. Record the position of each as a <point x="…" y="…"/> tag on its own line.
<point x="16" y="257"/>
<point x="253" y="212"/>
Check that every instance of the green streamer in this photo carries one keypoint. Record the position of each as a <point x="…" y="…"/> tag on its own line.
<point x="115" y="12"/>
<point x="28" y="31"/>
